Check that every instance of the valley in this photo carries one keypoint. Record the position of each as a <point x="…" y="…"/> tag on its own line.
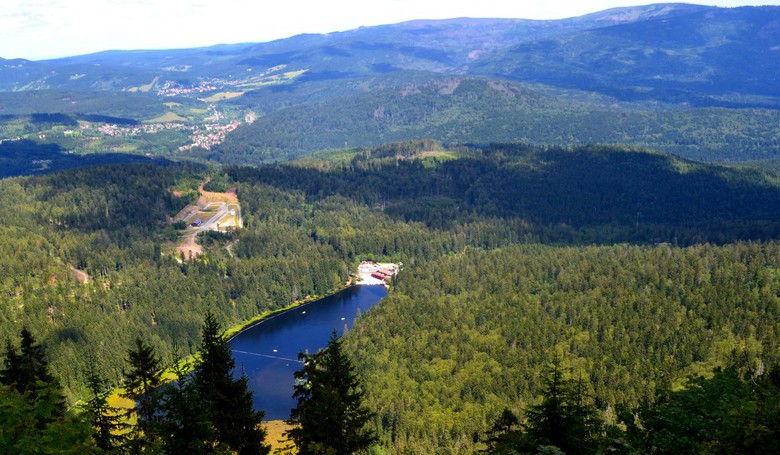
<point x="572" y="219"/>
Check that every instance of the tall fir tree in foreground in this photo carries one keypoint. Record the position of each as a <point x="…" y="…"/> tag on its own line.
<point x="33" y="418"/>
<point x="228" y="401"/>
<point x="566" y="417"/>
<point x="108" y="422"/>
<point x="142" y="382"/>
<point x="329" y="417"/>
<point x="27" y="371"/>
<point x="186" y="426"/>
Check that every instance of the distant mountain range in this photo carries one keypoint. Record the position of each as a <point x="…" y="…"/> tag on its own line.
<point x="657" y="60"/>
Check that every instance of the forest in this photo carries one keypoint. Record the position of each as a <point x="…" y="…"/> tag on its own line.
<point x="459" y="110"/>
<point x="586" y="194"/>
<point x="634" y="269"/>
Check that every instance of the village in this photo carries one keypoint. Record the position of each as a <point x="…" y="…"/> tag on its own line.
<point x="207" y="135"/>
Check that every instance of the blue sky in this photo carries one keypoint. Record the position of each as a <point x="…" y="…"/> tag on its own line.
<point x="39" y="29"/>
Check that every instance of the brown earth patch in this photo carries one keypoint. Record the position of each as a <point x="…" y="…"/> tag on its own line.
<point x="447" y="87"/>
<point x="80" y="275"/>
<point x="229" y="197"/>
<point x="189" y="247"/>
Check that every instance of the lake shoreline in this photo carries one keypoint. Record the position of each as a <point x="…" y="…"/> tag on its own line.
<point x="237" y="329"/>
<point x="269" y="353"/>
<point x="366" y="280"/>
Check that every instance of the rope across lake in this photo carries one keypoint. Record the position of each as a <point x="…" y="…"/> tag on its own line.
<point x="266" y="355"/>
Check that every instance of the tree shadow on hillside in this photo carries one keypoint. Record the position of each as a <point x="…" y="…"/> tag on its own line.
<point x="27" y="157"/>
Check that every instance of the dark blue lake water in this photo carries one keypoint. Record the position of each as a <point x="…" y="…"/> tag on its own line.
<point x="268" y="351"/>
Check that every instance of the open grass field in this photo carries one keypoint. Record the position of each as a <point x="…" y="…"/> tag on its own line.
<point x="148" y="87"/>
<point x="222" y="96"/>
<point x="168" y="117"/>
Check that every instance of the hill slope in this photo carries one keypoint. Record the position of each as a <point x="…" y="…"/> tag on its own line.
<point x="482" y="111"/>
<point x="636" y="75"/>
<point x="684" y="57"/>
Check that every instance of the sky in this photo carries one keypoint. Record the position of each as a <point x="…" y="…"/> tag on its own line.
<point x="41" y="29"/>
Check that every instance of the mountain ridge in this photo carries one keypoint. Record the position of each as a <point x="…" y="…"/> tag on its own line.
<point x="665" y="60"/>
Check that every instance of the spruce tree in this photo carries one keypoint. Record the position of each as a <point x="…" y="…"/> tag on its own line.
<point x="329" y="416"/>
<point x="185" y="425"/>
<point x="565" y="418"/>
<point x="504" y="436"/>
<point x="228" y="400"/>
<point x="11" y="373"/>
<point x="549" y="421"/>
<point x="107" y="421"/>
<point x="142" y="383"/>
<point x="32" y="406"/>
<point x="33" y="358"/>
<point x="27" y="372"/>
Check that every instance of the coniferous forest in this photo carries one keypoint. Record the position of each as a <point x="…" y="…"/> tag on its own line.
<point x="577" y="219"/>
<point x="611" y="292"/>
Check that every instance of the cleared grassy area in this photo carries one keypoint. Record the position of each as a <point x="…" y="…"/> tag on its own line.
<point x="209" y="198"/>
<point x="228" y="221"/>
<point x="221" y="96"/>
<point x="432" y="158"/>
<point x="148" y="87"/>
<point x="168" y="117"/>
<point x="122" y="404"/>
<point x="335" y="156"/>
<point x="262" y="81"/>
<point x="438" y="154"/>
<point x="202" y="215"/>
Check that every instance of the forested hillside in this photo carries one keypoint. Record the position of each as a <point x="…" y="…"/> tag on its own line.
<point x="550" y="194"/>
<point x="691" y="80"/>
<point x="28" y="157"/>
<point x="108" y="226"/>
<point x="460" y="338"/>
<point x="467" y="110"/>
<point x="577" y="274"/>
<point x="498" y="275"/>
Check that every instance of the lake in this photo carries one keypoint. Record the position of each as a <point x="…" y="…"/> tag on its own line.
<point x="268" y="351"/>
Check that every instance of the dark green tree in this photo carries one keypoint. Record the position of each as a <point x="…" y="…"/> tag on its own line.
<point x="728" y="413"/>
<point x="107" y="421"/>
<point x="550" y="422"/>
<point x="32" y="410"/>
<point x="565" y="419"/>
<point x="329" y="417"/>
<point x="505" y="436"/>
<point x="142" y="382"/>
<point x="11" y="373"/>
<point x="228" y="400"/>
<point x="185" y="423"/>
<point x="27" y="371"/>
<point x="37" y="426"/>
<point x="587" y="430"/>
